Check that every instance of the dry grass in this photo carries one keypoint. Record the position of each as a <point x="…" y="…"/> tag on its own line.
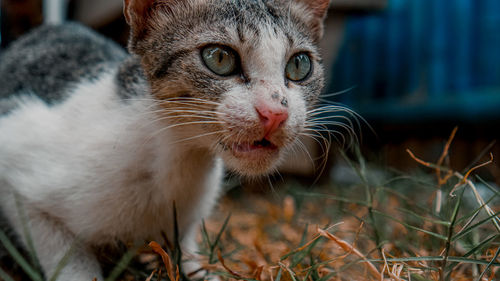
<point x="404" y="227"/>
<point x="436" y="224"/>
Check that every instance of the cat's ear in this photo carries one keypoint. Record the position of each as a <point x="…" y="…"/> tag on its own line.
<point x="136" y="13"/>
<point x="318" y="9"/>
<point x="139" y="14"/>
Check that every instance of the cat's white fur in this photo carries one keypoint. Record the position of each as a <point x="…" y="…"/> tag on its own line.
<point x="86" y="182"/>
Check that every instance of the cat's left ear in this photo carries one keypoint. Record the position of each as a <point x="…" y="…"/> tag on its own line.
<point x="318" y="9"/>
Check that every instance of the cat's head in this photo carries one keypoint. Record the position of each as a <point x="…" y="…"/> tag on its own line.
<point x="235" y="76"/>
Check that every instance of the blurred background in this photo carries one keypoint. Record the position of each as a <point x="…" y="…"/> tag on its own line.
<point x="418" y="68"/>
<point x="413" y="69"/>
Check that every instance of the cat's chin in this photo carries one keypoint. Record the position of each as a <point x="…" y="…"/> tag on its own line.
<point x="251" y="159"/>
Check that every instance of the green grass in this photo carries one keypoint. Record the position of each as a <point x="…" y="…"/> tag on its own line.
<point x="396" y="226"/>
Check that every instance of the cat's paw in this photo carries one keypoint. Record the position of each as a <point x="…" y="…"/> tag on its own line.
<point x="213" y="278"/>
<point x="194" y="271"/>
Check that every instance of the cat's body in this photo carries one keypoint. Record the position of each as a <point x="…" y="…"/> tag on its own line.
<point x="97" y="145"/>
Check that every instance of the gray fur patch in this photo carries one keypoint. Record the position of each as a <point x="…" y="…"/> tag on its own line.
<point x="50" y="59"/>
<point x="7" y="104"/>
<point x="130" y="79"/>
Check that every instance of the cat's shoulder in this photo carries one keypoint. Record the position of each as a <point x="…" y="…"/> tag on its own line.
<point x="49" y="60"/>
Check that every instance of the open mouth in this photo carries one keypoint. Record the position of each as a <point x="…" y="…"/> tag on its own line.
<point x="251" y="147"/>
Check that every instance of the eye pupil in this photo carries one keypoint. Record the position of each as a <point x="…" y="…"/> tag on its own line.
<point x="299" y="67"/>
<point x="221" y="60"/>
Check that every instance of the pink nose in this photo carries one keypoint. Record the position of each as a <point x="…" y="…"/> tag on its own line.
<point x="271" y="118"/>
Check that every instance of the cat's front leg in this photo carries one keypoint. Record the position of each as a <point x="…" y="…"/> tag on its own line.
<point x="190" y="265"/>
<point x="60" y="252"/>
<point x="190" y="262"/>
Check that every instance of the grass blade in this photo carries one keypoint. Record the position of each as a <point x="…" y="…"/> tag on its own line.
<point x="301" y="255"/>
<point x="217" y="239"/>
<point x="222" y="229"/>
<point x="476" y="248"/>
<point x="327" y="277"/>
<point x="333" y="197"/>
<point x="26" y="232"/>
<point x="292" y="274"/>
<point x="481" y="245"/>
<point x="299" y="249"/>
<point x="64" y="260"/>
<point x="304" y="235"/>
<point x="28" y="269"/>
<point x="442" y="237"/>
<point x="4" y="276"/>
<point x="489" y="265"/>
<point x="418" y="277"/>
<point x="436" y="259"/>
<point x="177" y="251"/>
<point x="122" y="264"/>
<point x="278" y="277"/>
<point x="471" y="216"/>
<point x="204" y="233"/>
<point x="404" y="198"/>
<point x="453" y="220"/>
<point x="446" y="223"/>
<point x="491" y="188"/>
<point x="474" y="226"/>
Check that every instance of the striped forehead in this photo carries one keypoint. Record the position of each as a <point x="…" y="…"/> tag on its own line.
<point x="249" y="18"/>
<point x="265" y="56"/>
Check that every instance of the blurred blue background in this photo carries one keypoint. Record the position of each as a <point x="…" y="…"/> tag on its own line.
<point x="422" y="60"/>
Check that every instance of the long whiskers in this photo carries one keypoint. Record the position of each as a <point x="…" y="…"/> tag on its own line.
<point x="179" y="103"/>
<point x="334" y="94"/>
<point x="338" y="116"/>
<point x="337" y="107"/>
<point x="199" y="136"/>
<point x="182" y="108"/>
<point x="333" y="120"/>
<point x="299" y="146"/>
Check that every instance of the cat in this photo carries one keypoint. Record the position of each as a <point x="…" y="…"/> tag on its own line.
<point x="97" y="144"/>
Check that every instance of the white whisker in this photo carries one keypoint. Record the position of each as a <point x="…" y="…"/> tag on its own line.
<point x="300" y="145"/>
<point x="199" y="136"/>
<point x="338" y="93"/>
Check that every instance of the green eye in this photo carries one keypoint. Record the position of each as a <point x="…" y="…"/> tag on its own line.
<point x="298" y="67"/>
<point x="219" y="59"/>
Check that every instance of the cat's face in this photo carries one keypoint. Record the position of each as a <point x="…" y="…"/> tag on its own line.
<point x="237" y="77"/>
